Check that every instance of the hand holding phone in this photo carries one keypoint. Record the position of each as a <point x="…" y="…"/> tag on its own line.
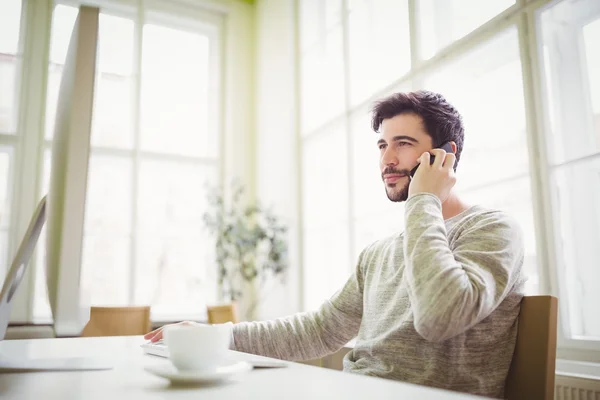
<point x="447" y="147"/>
<point x="439" y="180"/>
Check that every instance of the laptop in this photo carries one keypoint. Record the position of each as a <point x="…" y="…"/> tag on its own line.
<point x="160" y="349"/>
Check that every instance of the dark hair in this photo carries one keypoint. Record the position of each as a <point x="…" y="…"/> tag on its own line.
<point x="442" y="121"/>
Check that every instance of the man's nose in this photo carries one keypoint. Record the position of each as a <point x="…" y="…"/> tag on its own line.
<point x="388" y="158"/>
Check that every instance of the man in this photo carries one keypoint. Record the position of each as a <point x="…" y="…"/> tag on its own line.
<point x="435" y="305"/>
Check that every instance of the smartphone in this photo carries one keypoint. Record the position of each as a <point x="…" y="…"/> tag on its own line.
<point x="446" y="146"/>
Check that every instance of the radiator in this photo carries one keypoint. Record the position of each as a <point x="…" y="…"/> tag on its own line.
<point x="576" y="388"/>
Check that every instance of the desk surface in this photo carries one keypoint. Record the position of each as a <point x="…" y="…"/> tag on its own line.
<point x="129" y="380"/>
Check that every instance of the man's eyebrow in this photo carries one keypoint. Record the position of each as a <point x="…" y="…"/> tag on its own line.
<point x="399" y="137"/>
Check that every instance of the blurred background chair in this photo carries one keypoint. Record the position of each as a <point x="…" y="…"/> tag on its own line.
<point x="221" y="314"/>
<point x="118" y="321"/>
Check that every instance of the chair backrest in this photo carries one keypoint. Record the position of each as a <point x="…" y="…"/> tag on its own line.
<point x="531" y="374"/>
<point x="222" y="314"/>
<point x="118" y="321"/>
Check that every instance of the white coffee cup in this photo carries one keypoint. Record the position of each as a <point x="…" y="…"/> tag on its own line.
<point x="198" y="347"/>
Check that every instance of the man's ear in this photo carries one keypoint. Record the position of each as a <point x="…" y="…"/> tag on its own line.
<point x="453" y="147"/>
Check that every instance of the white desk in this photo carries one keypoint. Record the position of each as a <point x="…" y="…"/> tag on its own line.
<point x="128" y="380"/>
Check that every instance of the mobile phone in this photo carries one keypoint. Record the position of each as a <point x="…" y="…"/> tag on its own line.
<point x="446" y="146"/>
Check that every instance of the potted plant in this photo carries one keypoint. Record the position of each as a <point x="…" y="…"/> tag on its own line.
<point x="250" y="247"/>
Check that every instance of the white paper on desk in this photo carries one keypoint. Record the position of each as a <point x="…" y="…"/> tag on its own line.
<point x="52" y="364"/>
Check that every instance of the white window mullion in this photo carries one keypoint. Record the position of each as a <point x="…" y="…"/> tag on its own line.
<point x="538" y="156"/>
<point x="413" y="21"/>
<point x="8" y="140"/>
<point x="37" y="16"/>
<point x="416" y="53"/>
<point x="137" y="67"/>
<point x="348" y="132"/>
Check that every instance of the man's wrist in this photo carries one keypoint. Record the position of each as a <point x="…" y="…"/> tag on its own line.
<point x="422" y="194"/>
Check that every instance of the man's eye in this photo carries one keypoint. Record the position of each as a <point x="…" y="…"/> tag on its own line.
<point x="403" y="143"/>
<point x="381" y="146"/>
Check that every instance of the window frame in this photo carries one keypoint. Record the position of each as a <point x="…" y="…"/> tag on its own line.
<point x="568" y="346"/>
<point x="29" y="144"/>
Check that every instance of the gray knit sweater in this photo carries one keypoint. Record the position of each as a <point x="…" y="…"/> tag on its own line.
<point x="436" y="305"/>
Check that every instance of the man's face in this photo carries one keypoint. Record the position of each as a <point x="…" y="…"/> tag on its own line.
<point x="402" y="140"/>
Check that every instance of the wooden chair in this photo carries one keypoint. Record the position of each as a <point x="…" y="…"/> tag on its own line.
<point x="531" y="373"/>
<point x="118" y="321"/>
<point x="222" y="314"/>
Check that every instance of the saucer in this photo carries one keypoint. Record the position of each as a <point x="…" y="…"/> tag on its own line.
<point x="171" y="373"/>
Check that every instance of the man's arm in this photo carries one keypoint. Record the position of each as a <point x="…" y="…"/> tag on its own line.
<point x="308" y="335"/>
<point x="453" y="289"/>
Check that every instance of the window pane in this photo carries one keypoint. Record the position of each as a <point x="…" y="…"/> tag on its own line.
<point x="317" y="17"/>
<point x="10" y="24"/>
<point x="175" y="269"/>
<point x="572" y="78"/>
<point x="115" y="45"/>
<point x="63" y="20"/>
<point x="113" y="113"/>
<point x="322" y="81"/>
<point x="487" y="89"/>
<point x="8" y="101"/>
<point x="109" y="195"/>
<point x="113" y="97"/>
<point x="107" y="240"/>
<point x="10" y="21"/>
<point x="176" y="274"/>
<point x="326" y="263"/>
<point x="444" y="21"/>
<point x="174" y="97"/>
<point x="325" y="179"/>
<point x="172" y="196"/>
<point x="379" y="45"/>
<point x="369" y="194"/>
<point x="105" y="268"/>
<point x="577" y="198"/>
<point x="591" y="37"/>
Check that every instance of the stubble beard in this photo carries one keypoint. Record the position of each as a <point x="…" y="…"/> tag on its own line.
<point x="396" y="193"/>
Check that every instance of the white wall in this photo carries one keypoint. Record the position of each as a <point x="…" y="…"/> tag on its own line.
<point x="276" y="137"/>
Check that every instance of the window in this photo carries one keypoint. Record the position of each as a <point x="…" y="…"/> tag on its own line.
<point x="10" y="22"/>
<point x="154" y="150"/>
<point x="484" y="81"/>
<point x="570" y="37"/>
<point x="444" y="21"/>
<point x="322" y="69"/>
<point x="492" y="79"/>
<point x="379" y="45"/>
<point x="325" y="222"/>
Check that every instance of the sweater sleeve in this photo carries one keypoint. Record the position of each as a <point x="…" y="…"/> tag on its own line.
<point x="452" y="288"/>
<point x="307" y="335"/>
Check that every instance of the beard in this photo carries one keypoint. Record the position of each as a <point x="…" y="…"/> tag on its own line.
<point x="396" y="192"/>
